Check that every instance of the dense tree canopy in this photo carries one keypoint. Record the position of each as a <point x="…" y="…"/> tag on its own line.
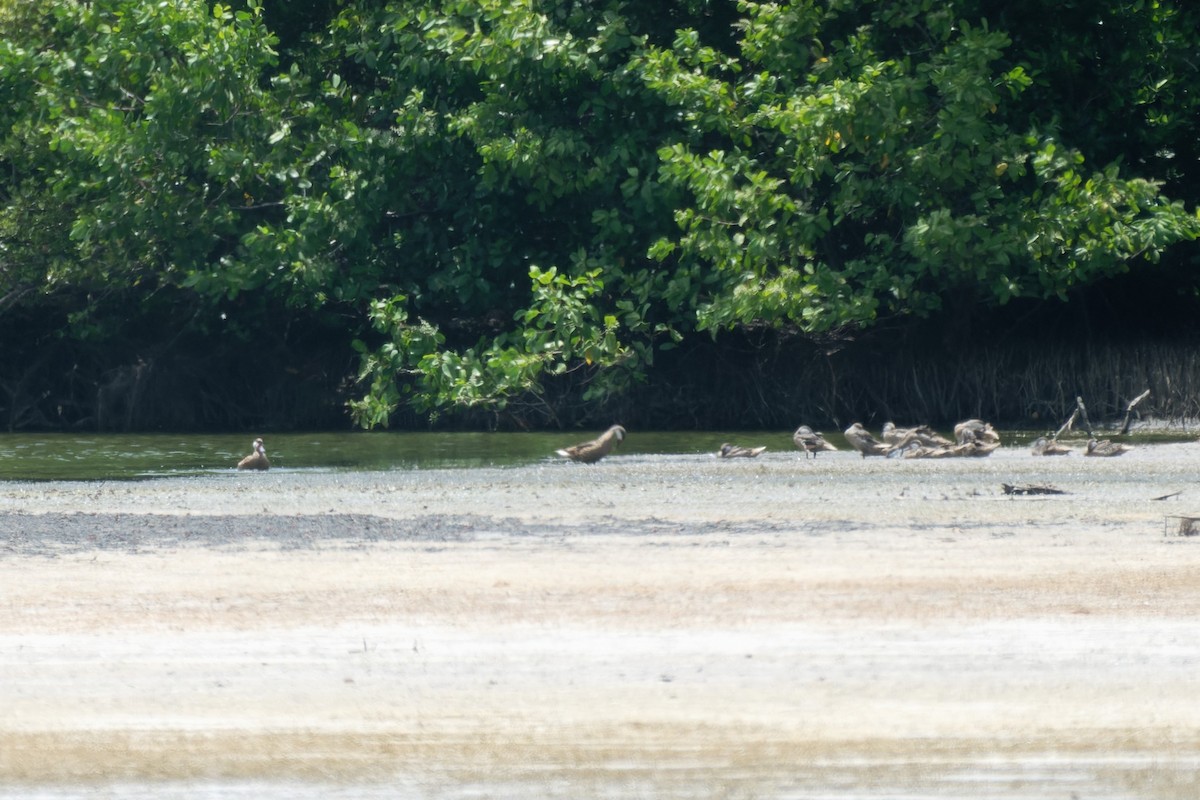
<point x="501" y="200"/>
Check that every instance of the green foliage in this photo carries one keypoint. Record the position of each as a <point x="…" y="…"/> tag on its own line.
<point x="562" y="332"/>
<point x="519" y="170"/>
<point x="873" y="175"/>
<point x="140" y="103"/>
<point x="503" y="200"/>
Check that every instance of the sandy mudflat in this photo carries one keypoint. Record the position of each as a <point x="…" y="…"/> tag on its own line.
<point x="648" y="627"/>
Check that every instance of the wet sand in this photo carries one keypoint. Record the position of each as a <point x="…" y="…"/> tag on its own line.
<point x="668" y="627"/>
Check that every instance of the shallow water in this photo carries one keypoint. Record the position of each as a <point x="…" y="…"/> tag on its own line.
<point x="136" y="456"/>
<point x="55" y="456"/>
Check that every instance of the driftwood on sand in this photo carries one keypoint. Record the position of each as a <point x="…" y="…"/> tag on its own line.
<point x="1030" y="489"/>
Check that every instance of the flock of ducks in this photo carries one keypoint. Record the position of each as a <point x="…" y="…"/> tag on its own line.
<point x="972" y="438"/>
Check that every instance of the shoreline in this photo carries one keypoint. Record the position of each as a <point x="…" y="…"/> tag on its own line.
<point x="681" y="627"/>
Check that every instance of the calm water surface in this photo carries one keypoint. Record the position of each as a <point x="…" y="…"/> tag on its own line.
<point x="137" y="456"/>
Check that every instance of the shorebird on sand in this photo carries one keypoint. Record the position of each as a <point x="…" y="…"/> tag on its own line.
<point x="924" y="434"/>
<point x="1043" y="446"/>
<point x="1106" y="449"/>
<point x="810" y="442"/>
<point x="975" y="430"/>
<point x="596" y="449"/>
<point x="733" y="451"/>
<point x="864" y="442"/>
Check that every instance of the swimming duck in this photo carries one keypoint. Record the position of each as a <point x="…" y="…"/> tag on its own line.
<point x="1105" y="448"/>
<point x="924" y="434"/>
<point x="864" y="442"/>
<point x="810" y="442"/>
<point x="596" y="449"/>
<point x="257" y="459"/>
<point x="975" y="430"/>
<point x="1043" y="446"/>
<point x="733" y="451"/>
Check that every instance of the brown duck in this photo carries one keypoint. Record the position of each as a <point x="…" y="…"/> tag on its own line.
<point x="596" y="449"/>
<point x="734" y="451"/>
<point x="914" y="449"/>
<point x="257" y="459"/>
<point x="923" y="434"/>
<point x="1106" y="449"/>
<point x="975" y="430"/>
<point x="1043" y="446"/>
<point x="975" y="449"/>
<point x="810" y="442"/>
<point x="864" y="442"/>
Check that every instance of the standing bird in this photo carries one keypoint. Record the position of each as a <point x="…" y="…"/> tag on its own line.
<point x="257" y="459"/>
<point x="810" y="442"/>
<point x="1106" y="449"/>
<point x="733" y="451"/>
<point x="863" y="442"/>
<point x="1049" y="447"/>
<point x="596" y="449"/>
<point x="976" y="430"/>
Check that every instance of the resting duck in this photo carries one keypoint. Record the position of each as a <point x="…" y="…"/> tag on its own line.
<point x="257" y="459"/>
<point x="914" y="449"/>
<point x="923" y="434"/>
<point x="975" y="449"/>
<point x="733" y="451"/>
<point x="1105" y="448"/>
<point x="909" y="447"/>
<point x="864" y="442"/>
<point x="975" y="430"/>
<point x="810" y="442"/>
<point x="596" y="449"/>
<point x="1049" y="447"/>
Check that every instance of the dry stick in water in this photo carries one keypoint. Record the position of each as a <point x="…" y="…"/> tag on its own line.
<point x="1129" y="411"/>
<point x="1080" y="412"/>
<point x="1087" y="423"/>
<point x="1066" y="426"/>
